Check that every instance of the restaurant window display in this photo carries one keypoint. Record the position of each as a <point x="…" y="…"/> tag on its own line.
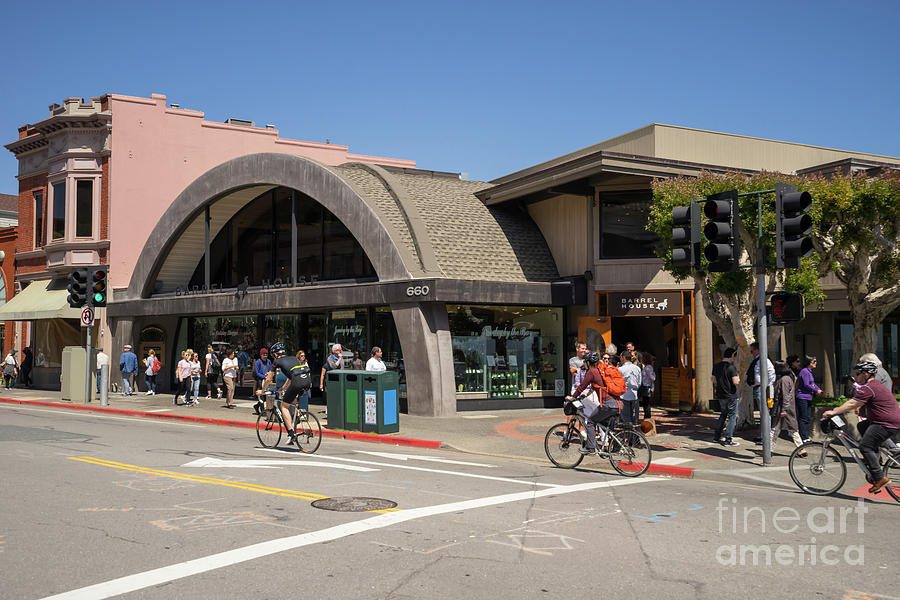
<point x="506" y="351"/>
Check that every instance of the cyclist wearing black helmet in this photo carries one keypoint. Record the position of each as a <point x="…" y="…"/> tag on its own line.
<point x="298" y="379"/>
<point x="883" y="418"/>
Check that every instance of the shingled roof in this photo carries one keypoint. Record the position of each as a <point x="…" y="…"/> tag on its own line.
<point x="9" y="202"/>
<point x="447" y="230"/>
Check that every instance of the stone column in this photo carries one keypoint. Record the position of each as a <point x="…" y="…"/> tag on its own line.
<point x="121" y="331"/>
<point x="424" y="332"/>
<point x="703" y="355"/>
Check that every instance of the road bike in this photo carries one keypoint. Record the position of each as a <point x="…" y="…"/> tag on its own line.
<point x="270" y="423"/>
<point x="627" y="449"/>
<point x="818" y="468"/>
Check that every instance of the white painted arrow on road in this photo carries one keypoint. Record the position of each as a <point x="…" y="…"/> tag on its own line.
<point x="420" y="457"/>
<point x="270" y="464"/>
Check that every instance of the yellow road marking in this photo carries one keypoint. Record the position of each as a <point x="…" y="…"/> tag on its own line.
<point x="252" y="487"/>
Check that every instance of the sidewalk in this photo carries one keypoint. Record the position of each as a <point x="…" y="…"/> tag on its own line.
<point x="683" y="446"/>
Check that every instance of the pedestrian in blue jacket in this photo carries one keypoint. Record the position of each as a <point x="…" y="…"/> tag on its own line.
<point x="128" y="365"/>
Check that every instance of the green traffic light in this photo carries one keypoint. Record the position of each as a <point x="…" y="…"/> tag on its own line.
<point x="98" y="298"/>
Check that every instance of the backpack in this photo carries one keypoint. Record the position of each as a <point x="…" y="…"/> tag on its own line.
<point x="156" y="365"/>
<point x="750" y="376"/>
<point x="612" y="378"/>
<point x="214" y="364"/>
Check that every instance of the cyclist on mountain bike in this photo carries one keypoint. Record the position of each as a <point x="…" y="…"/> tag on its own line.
<point x="602" y="410"/>
<point x="882" y="423"/>
<point x="298" y="381"/>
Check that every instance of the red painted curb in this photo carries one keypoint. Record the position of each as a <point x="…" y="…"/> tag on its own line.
<point x="687" y="472"/>
<point x="333" y="433"/>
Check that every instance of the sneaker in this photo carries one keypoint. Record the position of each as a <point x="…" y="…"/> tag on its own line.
<point x="152" y="393"/>
<point x="731" y="443"/>
<point x="148" y="393"/>
<point x="589" y="451"/>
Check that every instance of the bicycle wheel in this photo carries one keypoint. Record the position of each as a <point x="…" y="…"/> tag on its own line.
<point x="629" y="452"/>
<point x="891" y="468"/>
<point x="817" y="470"/>
<point x="268" y="429"/>
<point x="562" y="445"/>
<point x="309" y="432"/>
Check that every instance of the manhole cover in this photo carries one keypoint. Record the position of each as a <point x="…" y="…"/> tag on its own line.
<point x="353" y="504"/>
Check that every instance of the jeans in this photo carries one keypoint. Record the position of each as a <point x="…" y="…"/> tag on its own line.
<point x="126" y="383"/>
<point x="803" y="416"/>
<point x="195" y="388"/>
<point x="150" y="382"/>
<point x="303" y="400"/>
<point x="763" y="409"/>
<point x="727" y="418"/>
<point x="873" y="436"/>
<point x="631" y="411"/>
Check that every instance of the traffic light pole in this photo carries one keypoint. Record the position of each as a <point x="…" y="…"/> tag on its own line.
<point x="87" y="368"/>
<point x="765" y="421"/>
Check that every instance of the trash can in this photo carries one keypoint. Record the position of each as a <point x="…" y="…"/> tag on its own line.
<point x="343" y="393"/>
<point x="380" y="404"/>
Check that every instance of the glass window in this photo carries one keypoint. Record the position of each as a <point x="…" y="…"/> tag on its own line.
<point x="348" y="328"/>
<point x="51" y="336"/>
<point x="309" y="239"/>
<point x="503" y="351"/>
<point x="38" y="219"/>
<point x="623" y="225"/>
<point x="59" y="210"/>
<point x="84" y="208"/>
<point x="238" y="332"/>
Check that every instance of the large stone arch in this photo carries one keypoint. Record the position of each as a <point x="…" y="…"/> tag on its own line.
<point x="302" y="174"/>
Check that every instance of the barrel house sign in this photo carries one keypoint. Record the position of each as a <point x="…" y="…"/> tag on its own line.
<point x="645" y="304"/>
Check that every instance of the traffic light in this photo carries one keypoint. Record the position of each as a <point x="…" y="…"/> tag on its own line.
<point x="724" y="248"/>
<point x="786" y="307"/>
<point x="686" y="236"/>
<point x="98" y="287"/>
<point x="78" y="288"/>
<point x="792" y="225"/>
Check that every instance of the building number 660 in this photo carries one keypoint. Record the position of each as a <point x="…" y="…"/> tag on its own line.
<point x="419" y="290"/>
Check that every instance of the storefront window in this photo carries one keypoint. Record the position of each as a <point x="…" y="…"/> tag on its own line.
<point x="384" y="333"/>
<point x="51" y="336"/>
<point x="348" y="328"/>
<point x="623" y="225"/>
<point x="505" y="351"/>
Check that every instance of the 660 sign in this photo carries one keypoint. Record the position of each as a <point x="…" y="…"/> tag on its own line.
<point x="417" y="290"/>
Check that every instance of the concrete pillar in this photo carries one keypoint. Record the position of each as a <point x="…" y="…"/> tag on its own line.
<point x="703" y="354"/>
<point x="122" y="330"/>
<point x="424" y="332"/>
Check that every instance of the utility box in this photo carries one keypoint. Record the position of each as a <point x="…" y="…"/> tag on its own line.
<point x="363" y="400"/>
<point x="73" y="373"/>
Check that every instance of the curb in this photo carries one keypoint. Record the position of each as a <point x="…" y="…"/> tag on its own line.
<point x="356" y="436"/>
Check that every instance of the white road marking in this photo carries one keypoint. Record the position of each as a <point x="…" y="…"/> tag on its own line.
<point x="209" y="461"/>
<point x="97" y="416"/>
<point x="411" y="468"/>
<point x="139" y="581"/>
<point x="159" y="410"/>
<point x="671" y="460"/>
<point x="405" y="457"/>
<point x="479" y="416"/>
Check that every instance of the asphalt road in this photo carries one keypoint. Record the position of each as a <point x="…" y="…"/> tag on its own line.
<point x="98" y="506"/>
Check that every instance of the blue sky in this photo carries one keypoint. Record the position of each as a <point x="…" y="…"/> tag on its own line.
<point x="484" y="88"/>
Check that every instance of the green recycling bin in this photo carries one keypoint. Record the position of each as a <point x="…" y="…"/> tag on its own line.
<point x="343" y="393"/>
<point x="380" y="406"/>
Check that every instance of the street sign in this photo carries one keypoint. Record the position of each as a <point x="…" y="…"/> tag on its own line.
<point x="87" y="316"/>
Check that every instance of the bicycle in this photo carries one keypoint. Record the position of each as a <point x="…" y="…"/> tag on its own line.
<point x="269" y="424"/>
<point x="818" y="468"/>
<point x="628" y="450"/>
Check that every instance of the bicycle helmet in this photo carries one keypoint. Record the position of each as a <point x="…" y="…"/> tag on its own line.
<point x="866" y="366"/>
<point x="592" y="357"/>
<point x="278" y="349"/>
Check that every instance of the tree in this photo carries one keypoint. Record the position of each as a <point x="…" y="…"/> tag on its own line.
<point x="729" y="299"/>
<point x="857" y="238"/>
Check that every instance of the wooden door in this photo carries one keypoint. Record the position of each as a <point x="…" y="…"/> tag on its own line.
<point x="595" y="331"/>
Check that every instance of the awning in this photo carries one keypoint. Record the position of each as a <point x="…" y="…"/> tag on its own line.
<point x="40" y="300"/>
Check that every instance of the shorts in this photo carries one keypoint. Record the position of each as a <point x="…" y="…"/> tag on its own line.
<point x="293" y="392"/>
<point x="212" y="379"/>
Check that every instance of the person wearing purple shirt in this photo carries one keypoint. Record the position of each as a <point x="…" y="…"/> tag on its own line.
<point x="883" y="419"/>
<point x="806" y="389"/>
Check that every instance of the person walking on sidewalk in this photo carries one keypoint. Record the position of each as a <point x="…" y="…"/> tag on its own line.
<point x="128" y="365"/>
<point x="632" y="376"/>
<point x="10" y="370"/>
<point x="753" y="380"/>
<point x="785" y="408"/>
<point x="576" y="365"/>
<point x="196" y="368"/>
<point x="725" y="381"/>
<point x="883" y="420"/>
<point x="375" y="363"/>
<point x="28" y="364"/>
<point x="212" y="370"/>
<point x="333" y="362"/>
<point x="261" y="368"/>
<point x="806" y="389"/>
<point x="183" y="374"/>
<point x="229" y="375"/>
<point x="150" y="372"/>
<point x="648" y="382"/>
